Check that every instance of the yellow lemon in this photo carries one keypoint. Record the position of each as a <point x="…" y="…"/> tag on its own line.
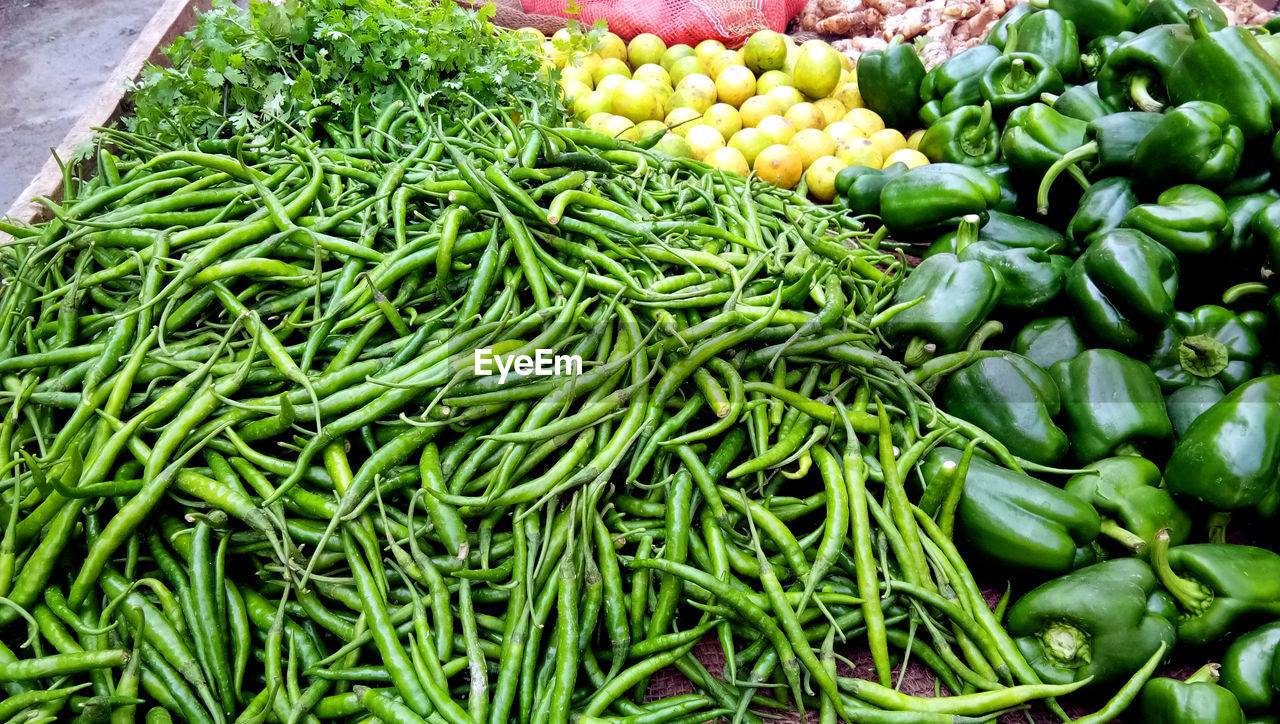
<point x="913" y="141"/>
<point x="608" y="67"/>
<point x="750" y="142"/>
<point x="679" y="120"/>
<point x="841" y="130"/>
<point x="644" y="49"/>
<point x="586" y="61"/>
<point x="729" y="159"/>
<point x="577" y="74"/>
<point x="674" y="146"/>
<point x="888" y="140"/>
<point x="636" y="101"/>
<point x="765" y="50"/>
<point x="708" y="49"/>
<point x="777" y="128"/>
<point x="674" y="53"/>
<point x="591" y="104"/>
<point x="771" y="79"/>
<point x="832" y="109"/>
<point x="530" y="34"/>
<point x="909" y="156"/>
<point x="612" y="46"/>
<point x="685" y="67"/>
<point x="820" y="177"/>
<point x="817" y="69"/>
<point x="859" y="152"/>
<point x="805" y="115"/>
<point x="572" y="91"/>
<point x="620" y="127"/>
<point x="596" y="121"/>
<point x="724" y="118"/>
<point x="735" y="84"/>
<point x="785" y="96"/>
<point x="561" y="36"/>
<point x="812" y="144"/>
<point x="698" y="83"/>
<point x="702" y="140"/>
<point x="687" y="99"/>
<point x="755" y="108"/>
<point x="722" y="60"/>
<point x="652" y="72"/>
<point x="645" y="129"/>
<point x="846" y="63"/>
<point x="779" y="165"/>
<point x="865" y="120"/>
<point x="611" y="83"/>
<point x="555" y="55"/>
<point x="849" y="96"/>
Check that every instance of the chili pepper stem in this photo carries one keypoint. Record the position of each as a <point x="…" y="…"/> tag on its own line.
<point x="1235" y="293"/>
<point x="1192" y="595"/>
<point x="1123" y="536"/>
<point x="1069" y="160"/>
<point x="1209" y="673"/>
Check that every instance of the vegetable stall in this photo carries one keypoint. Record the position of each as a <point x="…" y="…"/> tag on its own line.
<point x="860" y="373"/>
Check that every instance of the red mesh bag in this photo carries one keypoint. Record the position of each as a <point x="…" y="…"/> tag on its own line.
<point x="679" y="21"/>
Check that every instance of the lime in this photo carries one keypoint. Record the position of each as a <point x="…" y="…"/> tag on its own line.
<point x="608" y="67"/>
<point x="724" y="118"/>
<point x="680" y="120"/>
<point x="849" y="96"/>
<point x="805" y="115"/>
<point x="684" y="67"/>
<point x="812" y="144"/>
<point x="755" y="108"/>
<point x="817" y="69"/>
<point x="832" y="109"/>
<point x="652" y="72"/>
<point x="612" y="46"/>
<point x="735" y="85"/>
<point x="688" y="99"/>
<point x="888" y="141"/>
<point x="750" y="141"/>
<point x="820" y="177"/>
<point x="636" y="101"/>
<point x="865" y="120"/>
<point x="779" y="165"/>
<point x="708" y="49"/>
<point x="771" y="79"/>
<point x="784" y="96"/>
<point x="645" y="129"/>
<point x="620" y="127"/>
<point x="644" y="49"/>
<point x="722" y="60"/>
<point x="674" y="146"/>
<point x="674" y="53"/>
<point x="729" y="159"/>
<point x="591" y="104"/>
<point x="858" y="152"/>
<point x="908" y="156"/>
<point x="765" y="50"/>
<point x="703" y="139"/>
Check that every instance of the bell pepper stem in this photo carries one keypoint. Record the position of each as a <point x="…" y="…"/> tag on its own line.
<point x="1068" y="160"/>
<point x="1234" y="294"/>
<point x="1065" y="643"/>
<point x="1140" y="94"/>
<point x="1209" y="673"/>
<point x="1203" y="356"/>
<point x="1195" y="19"/>
<point x="1123" y="536"/>
<point x="1190" y="594"/>
<point x="1019" y="76"/>
<point x="967" y="232"/>
<point x="1011" y="39"/>
<point x="984" y="123"/>
<point x="1048" y="98"/>
<point x="1217" y="525"/>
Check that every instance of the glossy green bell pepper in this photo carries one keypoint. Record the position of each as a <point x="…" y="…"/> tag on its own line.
<point x="1136" y="74"/>
<point x="1019" y="251"/>
<point x="1209" y="342"/>
<point x="1127" y="489"/>
<point x="1104" y="621"/>
<point x="1081" y="102"/>
<point x="1052" y="37"/>
<point x="1169" y="12"/>
<point x="1249" y="667"/>
<point x="1048" y="341"/>
<point x="1009" y="184"/>
<point x="1110" y="151"/>
<point x="860" y="186"/>
<point x="889" y="81"/>
<point x="1100" y="17"/>
<point x="1193" y="143"/>
<point x="953" y="83"/>
<point x="1196" y="700"/>
<point x="1230" y="456"/>
<point x="1216" y="585"/>
<point x="1266" y="227"/>
<point x="1242" y="210"/>
<point x="1102" y="208"/>
<point x="1015" y="79"/>
<point x="1121" y="289"/>
<point x="1189" y="402"/>
<point x="1098" y="50"/>
<point x="998" y="33"/>
<point x="1008" y="230"/>
<point x="1014" y="400"/>
<point x="957" y="297"/>
<point x="1187" y="219"/>
<point x="1036" y="136"/>
<point x="1016" y="519"/>
<point x="929" y="200"/>
<point x="1112" y="404"/>
<point x="1230" y="68"/>
<point x="966" y="135"/>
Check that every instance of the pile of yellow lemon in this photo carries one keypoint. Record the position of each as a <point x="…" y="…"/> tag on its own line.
<point x="784" y="111"/>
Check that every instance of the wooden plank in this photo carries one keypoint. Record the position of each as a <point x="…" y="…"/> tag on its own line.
<point x="173" y="18"/>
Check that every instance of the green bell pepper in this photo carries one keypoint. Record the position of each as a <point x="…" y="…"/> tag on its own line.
<point x="1136" y="74"/>
<point x="1081" y="102"/>
<point x="1018" y="250"/>
<point x="1253" y="176"/>
<point x="1052" y="37"/>
<point x="1242" y="210"/>
<point x="1121" y="288"/>
<point x="966" y="135"/>
<point x="1008" y="230"/>
<point x="860" y="186"/>
<point x="1008" y="182"/>
<point x="1048" y="341"/>
<point x="1016" y="519"/>
<point x="1190" y="401"/>
<point x="1266" y="227"/>
<point x="1170" y="12"/>
<point x="1249" y="669"/>
<point x="1099" y="50"/>
<point x="1014" y="400"/>
<point x="957" y="297"/>
<point x="1104" y="621"/>
<point x="1216" y="585"/>
<point x="889" y="81"/>
<point x="1187" y="219"/>
<point x="1196" y="700"/>
<point x="1193" y="143"/>
<point x="998" y="33"/>
<point x="1230" y="456"/>
<point x="1102" y="208"/>
<point x="1112" y="404"/>
<point x="1015" y="79"/>
<point x="1112" y="145"/>
<point x="1210" y="342"/>
<point x="1230" y="68"/>
<point x="953" y="83"/>
<point x="1036" y="136"/>
<point x="928" y="200"/>
<point x="1127" y="488"/>
<point x="1100" y="17"/>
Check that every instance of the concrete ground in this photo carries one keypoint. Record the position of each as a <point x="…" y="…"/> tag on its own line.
<point x="54" y="54"/>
